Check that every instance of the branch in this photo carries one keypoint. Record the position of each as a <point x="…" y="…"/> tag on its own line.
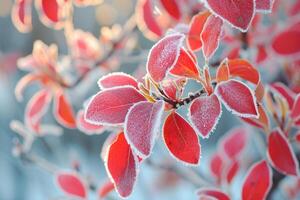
<point x="128" y="28"/>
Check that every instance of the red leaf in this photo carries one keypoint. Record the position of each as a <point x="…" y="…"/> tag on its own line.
<point x="52" y="12"/>
<point x="258" y="182"/>
<point x="63" y="111"/>
<point x="142" y="124"/>
<point x="243" y="69"/>
<point x="111" y="106"/>
<point x="295" y="8"/>
<point x="105" y="189"/>
<point x="261" y="54"/>
<point x="145" y="18"/>
<point x="71" y="184"/>
<point x="234" y="142"/>
<point x="122" y="165"/>
<point x="36" y="108"/>
<point x="281" y="154"/>
<point x="21" y="15"/>
<point x="87" y="127"/>
<point x="196" y="26"/>
<point x="117" y="79"/>
<point x="222" y="72"/>
<point x="237" y="98"/>
<point x="284" y="92"/>
<point x="287" y="42"/>
<point x="238" y="13"/>
<point x="185" y="66"/>
<point x="212" y="193"/>
<point x="204" y="114"/>
<point x="264" y="5"/>
<point x="163" y="56"/>
<point x="181" y="139"/>
<point x="217" y="166"/>
<point x="172" y="8"/>
<point x="295" y="112"/>
<point x="232" y="171"/>
<point x="210" y="35"/>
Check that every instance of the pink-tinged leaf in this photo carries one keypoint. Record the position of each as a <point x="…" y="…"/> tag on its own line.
<point x="243" y="69"/>
<point x="146" y="18"/>
<point x="234" y="142"/>
<point x="142" y="125"/>
<point x="111" y="106"/>
<point x="287" y="43"/>
<point x="204" y="114"/>
<point x="163" y="56"/>
<point x="238" y="98"/>
<point x="36" y="108"/>
<point x="185" y="66"/>
<point x="232" y="171"/>
<point x="87" y="127"/>
<point x="21" y="15"/>
<point x="212" y="193"/>
<point x="122" y="165"/>
<point x="210" y="35"/>
<point x="295" y="112"/>
<point x="173" y="88"/>
<point x="117" y="79"/>
<point x="222" y="72"/>
<point x="108" y="141"/>
<point x="264" y="5"/>
<point x="237" y="13"/>
<point x="196" y="26"/>
<point x="181" y="139"/>
<point x="105" y="189"/>
<point x="281" y="154"/>
<point x="284" y="92"/>
<point x="258" y="182"/>
<point x="172" y="7"/>
<point x="63" y="111"/>
<point x="51" y="12"/>
<point x="71" y="184"/>
<point x="217" y="166"/>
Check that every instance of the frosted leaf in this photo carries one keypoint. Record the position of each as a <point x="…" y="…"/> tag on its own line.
<point x="204" y="113"/>
<point x="142" y="125"/>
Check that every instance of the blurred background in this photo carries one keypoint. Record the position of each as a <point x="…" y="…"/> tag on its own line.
<point x="22" y="180"/>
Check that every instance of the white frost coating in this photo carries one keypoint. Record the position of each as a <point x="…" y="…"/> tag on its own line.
<point x="240" y="29"/>
<point x="263" y="10"/>
<point x="180" y="42"/>
<point x="155" y="128"/>
<point x="101" y="87"/>
<point x="235" y="111"/>
<point x="214" y="126"/>
<point x="270" y="177"/>
<point x="177" y="159"/>
<point x="290" y="149"/>
<point x="218" y="40"/>
<point x="136" y="161"/>
<point x="92" y="99"/>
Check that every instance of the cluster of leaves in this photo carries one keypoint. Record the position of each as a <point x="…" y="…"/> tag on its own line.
<point x="143" y="109"/>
